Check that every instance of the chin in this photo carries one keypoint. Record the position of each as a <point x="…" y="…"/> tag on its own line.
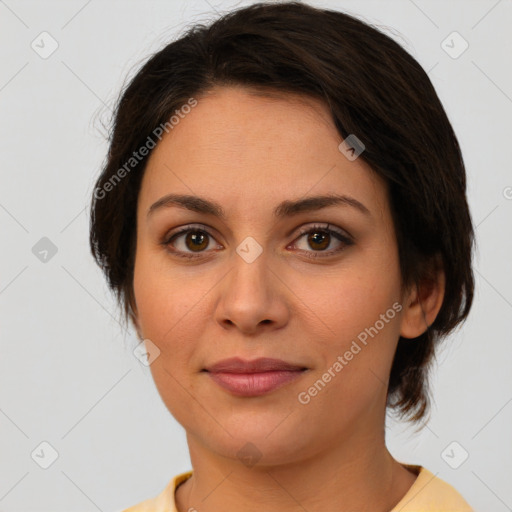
<point x="258" y="444"/>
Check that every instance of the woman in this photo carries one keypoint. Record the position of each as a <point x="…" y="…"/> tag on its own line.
<point x="283" y="216"/>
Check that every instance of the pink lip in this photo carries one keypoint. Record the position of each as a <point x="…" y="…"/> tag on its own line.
<point x="253" y="378"/>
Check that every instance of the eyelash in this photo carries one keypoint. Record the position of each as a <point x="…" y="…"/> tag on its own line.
<point x="347" y="241"/>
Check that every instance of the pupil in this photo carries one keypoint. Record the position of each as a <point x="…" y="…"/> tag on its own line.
<point x="197" y="239"/>
<point x="317" y="239"/>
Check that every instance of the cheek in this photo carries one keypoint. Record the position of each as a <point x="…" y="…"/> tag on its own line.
<point x="359" y="310"/>
<point x="354" y="297"/>
<point x="165" y="304"/>
<point x="354" y="360"/>
<point x="163" y="299"/>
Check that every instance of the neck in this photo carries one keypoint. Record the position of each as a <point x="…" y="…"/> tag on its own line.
<point x="357" y="474"/>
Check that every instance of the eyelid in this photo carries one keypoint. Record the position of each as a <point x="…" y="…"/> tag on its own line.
<point x="344" y="237"/>
<point x="302" y="230"/>
<point x="326" y="226"/>
<point x="188" y="227"/>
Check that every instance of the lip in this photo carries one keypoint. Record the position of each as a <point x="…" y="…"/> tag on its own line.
<point x="253" y="378"/>
<point x="262" y="364"/>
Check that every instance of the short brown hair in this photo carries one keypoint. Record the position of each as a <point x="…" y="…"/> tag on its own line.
<point x="373" y="88"/>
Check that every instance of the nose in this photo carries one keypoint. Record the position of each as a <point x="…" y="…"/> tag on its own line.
<point x="252" y="297"/>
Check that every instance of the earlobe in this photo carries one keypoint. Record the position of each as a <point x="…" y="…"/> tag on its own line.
<point x="422" y="305"/>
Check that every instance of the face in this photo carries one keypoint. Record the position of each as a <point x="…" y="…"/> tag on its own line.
<point x="316" y="285"/>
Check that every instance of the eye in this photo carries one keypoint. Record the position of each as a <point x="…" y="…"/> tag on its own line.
<point x="187" y="241"/>
<point x="320" y="239"/>
<point x="191" y="242"/>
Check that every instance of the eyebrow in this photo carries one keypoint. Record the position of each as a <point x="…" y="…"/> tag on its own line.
<point x="287" y="208"/>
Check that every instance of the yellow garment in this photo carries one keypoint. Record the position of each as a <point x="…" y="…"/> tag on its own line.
<point x="428" y="493"/>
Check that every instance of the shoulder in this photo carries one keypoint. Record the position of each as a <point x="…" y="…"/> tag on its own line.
<point x="430" y="493"/>
<point x="164" y="502"/>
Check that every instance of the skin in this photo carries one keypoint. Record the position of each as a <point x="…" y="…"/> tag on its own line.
<point x="248" y="153"/>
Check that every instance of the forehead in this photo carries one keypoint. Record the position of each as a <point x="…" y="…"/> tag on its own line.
<point x="249" y="151"/>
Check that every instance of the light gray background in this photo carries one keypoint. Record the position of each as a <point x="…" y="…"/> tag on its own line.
<point x="67" y="372"/>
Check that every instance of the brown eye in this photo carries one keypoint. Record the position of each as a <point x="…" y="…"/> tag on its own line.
<point x="188" y="242"/>
<point x="319" y="240"/>
<point x="196" y="240"/>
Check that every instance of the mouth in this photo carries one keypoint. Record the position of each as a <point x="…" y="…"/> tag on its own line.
<point x="253" y="378"/>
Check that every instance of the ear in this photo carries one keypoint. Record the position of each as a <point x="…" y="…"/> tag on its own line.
<point x="422" y="303"/>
